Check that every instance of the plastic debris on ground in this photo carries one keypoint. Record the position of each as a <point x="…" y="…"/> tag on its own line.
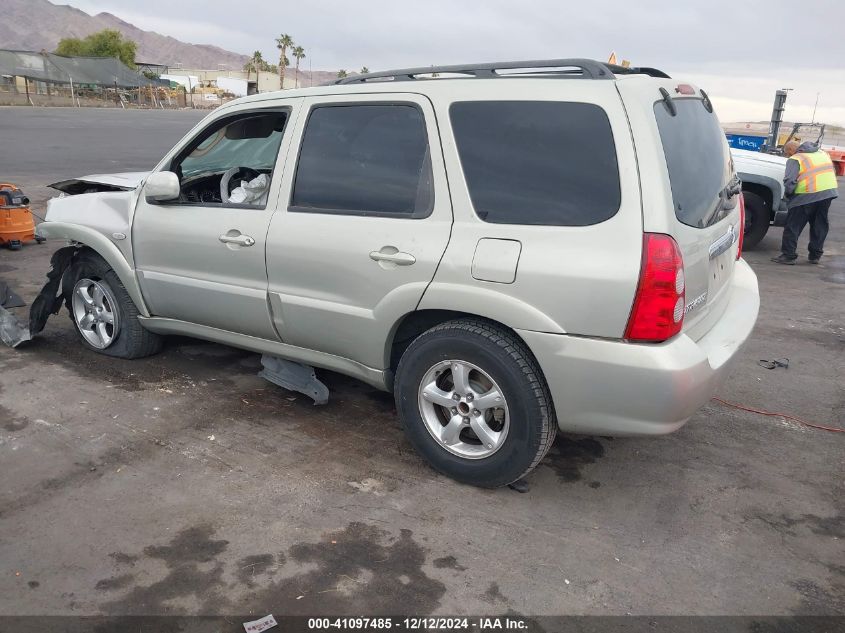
<point x="294" y="376"/>
<point x="12" y="333"/>
<point x="262" y="624"/>
<point x="773" y="364"/>
<point x="49" y="301"/>
<point x="8" y="297"/>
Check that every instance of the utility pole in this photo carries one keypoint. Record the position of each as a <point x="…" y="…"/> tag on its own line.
<point x="814" y="107"/>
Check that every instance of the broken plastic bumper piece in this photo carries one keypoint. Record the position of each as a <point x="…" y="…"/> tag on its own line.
<point x="294" y="376"/>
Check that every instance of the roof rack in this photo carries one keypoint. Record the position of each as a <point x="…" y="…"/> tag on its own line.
<point x="558" y="68"/>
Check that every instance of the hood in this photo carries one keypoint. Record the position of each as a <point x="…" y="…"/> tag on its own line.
<point x="125" y="181"/>
<point x="808" y="147"/>
<point x="744" y="156"/>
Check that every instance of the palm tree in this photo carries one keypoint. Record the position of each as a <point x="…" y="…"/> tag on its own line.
<point x="342" y="74"/>
<point x="364" y="70"/>
<point x="299" y="53"/>
<point x="283" y="43"/>
<point x="255" y="63"/>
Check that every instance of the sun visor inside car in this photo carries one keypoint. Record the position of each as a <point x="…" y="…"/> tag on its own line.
<point x="254" y="127"/>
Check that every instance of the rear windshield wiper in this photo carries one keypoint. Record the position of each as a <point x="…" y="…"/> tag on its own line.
<point x="667" y="100"/>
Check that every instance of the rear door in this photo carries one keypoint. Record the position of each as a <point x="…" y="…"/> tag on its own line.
<point x="366" y="219"/>
<point x="690" y="189"/>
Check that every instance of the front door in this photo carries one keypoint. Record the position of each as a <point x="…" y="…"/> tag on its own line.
<point x="366" y="219"/>
<point x="201" y="258"/>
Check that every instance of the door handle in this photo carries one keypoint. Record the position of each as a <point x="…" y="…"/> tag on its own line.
<point x="394" y="257"/>
<point x="240" y="240"/>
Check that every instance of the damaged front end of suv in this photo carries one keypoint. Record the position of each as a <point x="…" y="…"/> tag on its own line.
<point x="94" y="215"/>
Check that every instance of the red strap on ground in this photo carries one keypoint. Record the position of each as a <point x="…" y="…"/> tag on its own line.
<point x="779" y="415"/>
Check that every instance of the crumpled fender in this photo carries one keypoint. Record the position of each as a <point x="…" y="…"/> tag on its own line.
<point x="104" y="248"/>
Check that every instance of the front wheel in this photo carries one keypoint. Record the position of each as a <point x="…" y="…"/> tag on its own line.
<point x="474" y="403"/>
<point x="103" y="313"/>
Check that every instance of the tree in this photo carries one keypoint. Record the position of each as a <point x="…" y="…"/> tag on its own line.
<point x="255" y="63"/>
<point x="364" y="70"/>
<point x="105" y="43"/>
<point x="299" y="53"/>
<point x="342" y="74"/>
<point x="283" y="43"/>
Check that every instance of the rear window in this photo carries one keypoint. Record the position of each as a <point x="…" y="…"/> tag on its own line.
<point x="537" y="162"/>
<point x="697" y="158"/>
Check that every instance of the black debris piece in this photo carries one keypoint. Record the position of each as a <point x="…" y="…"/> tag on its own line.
<point x="8" y="298"/>
<point x="49" y="300"/>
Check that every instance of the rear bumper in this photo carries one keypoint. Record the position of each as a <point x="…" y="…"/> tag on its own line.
<point x="608" y="387"/>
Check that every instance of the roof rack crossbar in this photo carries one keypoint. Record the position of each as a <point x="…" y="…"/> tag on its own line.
<point x="574" y="68"/>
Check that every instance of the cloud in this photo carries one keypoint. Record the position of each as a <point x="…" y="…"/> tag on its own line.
<point x="741" y="51"/>
<point x="750" y="98"/>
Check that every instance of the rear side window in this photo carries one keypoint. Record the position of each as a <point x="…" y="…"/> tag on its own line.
<point x="364" y="160"/>
<point x="537" y="162"/>
<point x="697" y="158"/>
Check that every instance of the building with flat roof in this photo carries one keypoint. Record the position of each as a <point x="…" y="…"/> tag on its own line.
<point x="238" y="82"/>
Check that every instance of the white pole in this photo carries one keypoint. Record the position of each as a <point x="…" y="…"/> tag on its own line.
<point x="71" y="91"/>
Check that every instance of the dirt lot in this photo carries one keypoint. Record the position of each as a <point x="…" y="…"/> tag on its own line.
<point x="184" y="483"/>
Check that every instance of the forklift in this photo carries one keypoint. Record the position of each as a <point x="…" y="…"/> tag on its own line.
<point x="800" y="131"/>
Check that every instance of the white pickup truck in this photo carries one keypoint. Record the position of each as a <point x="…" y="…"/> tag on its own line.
<point x="762" y="187"/>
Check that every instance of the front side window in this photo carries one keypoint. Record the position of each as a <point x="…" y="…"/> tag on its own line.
<point x="364" y="160"/>
<point x="537" y="162"/>
<point x="232" y="161"/>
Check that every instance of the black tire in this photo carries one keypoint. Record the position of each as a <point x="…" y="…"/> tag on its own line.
<point x="757" y="220"/>
<point x="132" y="340"/>
<point x="506" y="359"/>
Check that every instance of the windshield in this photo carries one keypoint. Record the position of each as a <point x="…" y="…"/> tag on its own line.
<point x="697" y="158"/>
<point x="252" y="142"/>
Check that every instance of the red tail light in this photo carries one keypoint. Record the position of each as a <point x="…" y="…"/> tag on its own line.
<point x="658" y="312"/>
<point x="741" y="225"/>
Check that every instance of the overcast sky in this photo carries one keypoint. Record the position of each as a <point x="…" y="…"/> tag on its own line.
<point x="740" y="51"/>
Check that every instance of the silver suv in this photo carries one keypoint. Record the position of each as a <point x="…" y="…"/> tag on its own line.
<point x="511" y="248"/>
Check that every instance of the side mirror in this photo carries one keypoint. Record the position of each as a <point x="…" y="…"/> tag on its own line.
<point x="162" y="186"/>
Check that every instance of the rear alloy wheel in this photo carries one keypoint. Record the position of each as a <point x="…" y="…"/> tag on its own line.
<point x="95" y="312"/>
<point x="464" y="409"/>
<point x="474" y="403"/>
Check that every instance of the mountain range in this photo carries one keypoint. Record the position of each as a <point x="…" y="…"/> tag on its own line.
<point x="35" y="25"/>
